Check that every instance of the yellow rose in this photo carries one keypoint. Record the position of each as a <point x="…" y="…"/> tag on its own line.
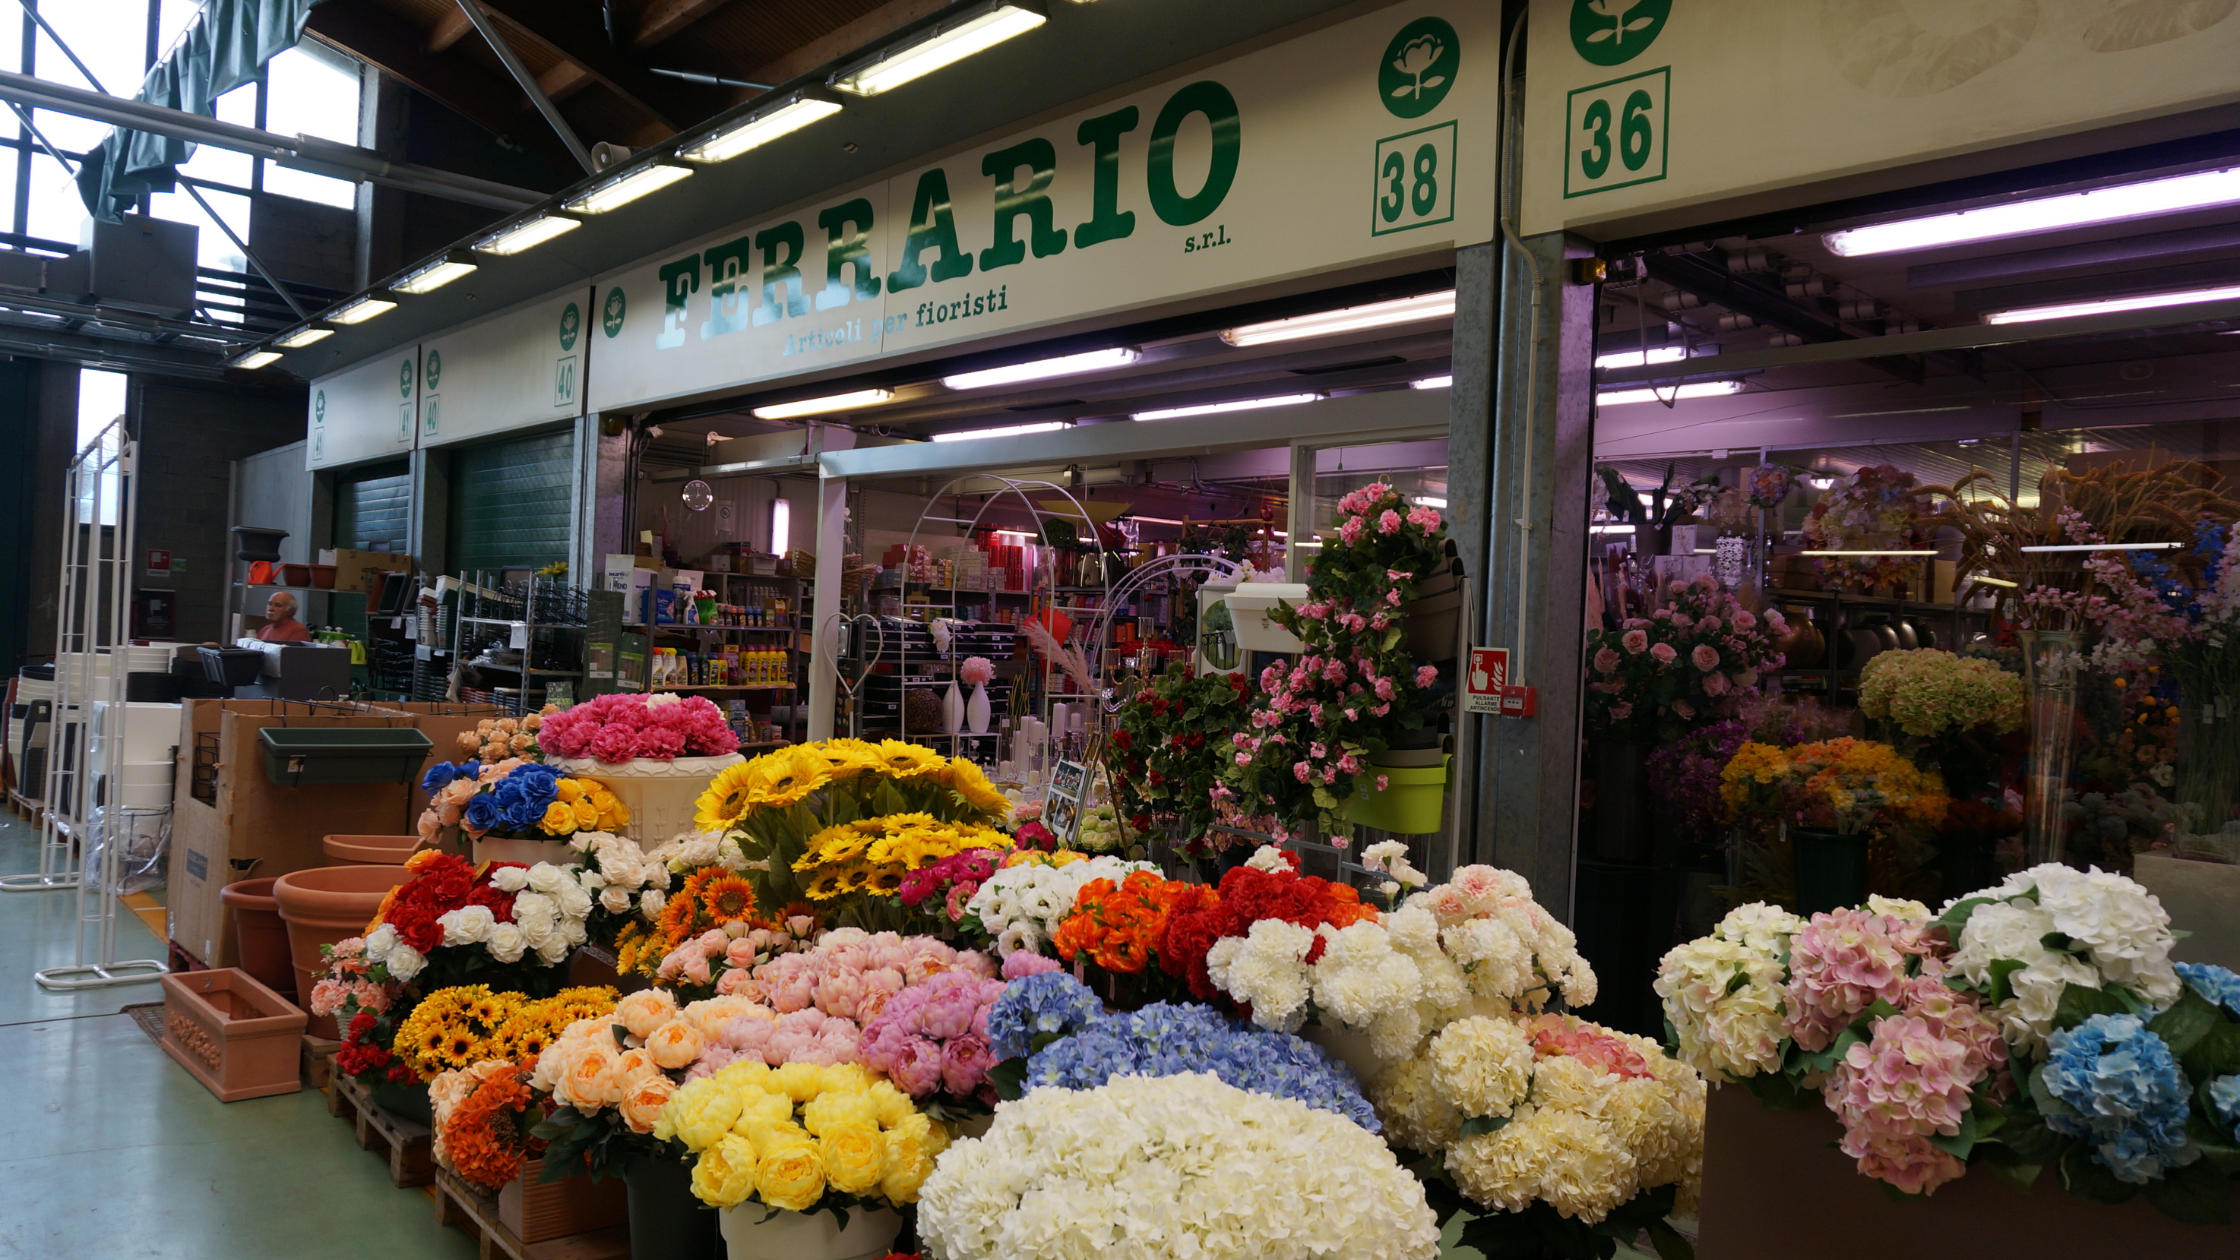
<point x="791" y="1178"/>
<point x="698" y="1115"/>
<point x="559" y="820"/>
<point x="571" y="790"/>
<point x="674" y="1045"/>
<point x="839" y="1107"/>
<point x="854" y="1156"/>
<point x="642" y="1103"/>
<point x="908" y="1158"/>
<point x="586" y="814"/>
<point x="725" y="1174"/>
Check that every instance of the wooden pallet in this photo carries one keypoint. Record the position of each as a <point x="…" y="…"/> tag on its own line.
<point x="24" y="807"/>
<point x="318" y="1064"/>
<point x="459" y="1204"/>
<point x="411" y="1159"/>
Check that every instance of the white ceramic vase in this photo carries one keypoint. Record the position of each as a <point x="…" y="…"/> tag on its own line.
<point x="952" y="710"/>
<point x="660" y="795"/>
<point x="752" y="1231"/>
<point x="976" y="713"/>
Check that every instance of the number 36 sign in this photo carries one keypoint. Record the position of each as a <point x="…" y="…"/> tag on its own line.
<point x="1616" y="133"/>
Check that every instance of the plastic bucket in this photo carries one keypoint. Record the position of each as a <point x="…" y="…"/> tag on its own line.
<point x="1410" y="804"/>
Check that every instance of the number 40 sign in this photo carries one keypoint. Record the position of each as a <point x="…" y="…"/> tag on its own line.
<point x="1615" y="136"/>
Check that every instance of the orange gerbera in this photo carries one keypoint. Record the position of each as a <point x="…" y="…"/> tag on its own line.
<point x="727" y="898"/>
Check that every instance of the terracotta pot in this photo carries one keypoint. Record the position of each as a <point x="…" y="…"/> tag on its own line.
<point x="323" y="906"/>
<point x="262" y="935"/>
<point x="370" y="850"/>
<point x="239" y="1038"/>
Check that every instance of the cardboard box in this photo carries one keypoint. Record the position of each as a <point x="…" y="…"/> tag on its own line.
<point x="255" y="827"/>
<point x="356" y="570"/>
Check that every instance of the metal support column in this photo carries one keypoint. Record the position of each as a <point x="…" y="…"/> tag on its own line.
<point x="824" y="604"/>
<point x="1299" y="512"/>
<point x="1469" y="487"/>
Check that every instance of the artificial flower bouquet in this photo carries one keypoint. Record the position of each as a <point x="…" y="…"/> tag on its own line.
<point x="1926" y="693"/>
<point x="627" y="883"/>
<point x="1686" y="664"/>
<point x="1115" y="932"/>
<point x="501" y="922"/>
<point x="1561" y="1137"/>
<point x="2038" y="1023"/>
<point x="483" y="1116"/>
<point x="1319" y="722"/>
<point x="1844" y="785"/>
<point x="1878" y="509"/>
<point x="882" y="872"/>
<point x="801" y="1138"/>
<point x="1169" y="745"/>
<point x="1022" y="903"/>
<point x="630" y="726"/>
<point x="1183" y="1165"/>
<point x="457" y="1027"/>
<point x="496" y="739"/>
<point x="512" y="799"/>
<point x="691" y="938"/>
<point x="781" y="808"/>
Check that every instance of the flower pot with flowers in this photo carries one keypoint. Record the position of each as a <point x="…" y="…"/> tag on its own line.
<point x="1878" y="509"/>
<point x="513" y="810"/>
<point x="1321" y="726"/>
<point x="1832" y="799"/>
<point x="656" y="752"/>
<point x="1169" y="745"/>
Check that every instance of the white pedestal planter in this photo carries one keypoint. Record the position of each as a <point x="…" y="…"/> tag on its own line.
<point x="754" y="1232"/>
<point x="658" y="794"/>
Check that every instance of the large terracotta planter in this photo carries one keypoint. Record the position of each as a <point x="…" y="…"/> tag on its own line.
<point x="324" y="906"/>
<point x="237" y="1037"/>
<point x="1776" y="1188"/>
<point x="754" y="1232"/>
<point x="660" y="795"/>
<point x="261" y="934"/>
<point x="370" y="850"/>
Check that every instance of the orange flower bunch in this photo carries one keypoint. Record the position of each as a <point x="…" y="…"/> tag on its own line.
<point x="1118" y="926"/>
<point x="710" y="897"/>
<point x="477" y="1134"/>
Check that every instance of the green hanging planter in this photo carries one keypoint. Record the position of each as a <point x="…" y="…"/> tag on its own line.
<point x="1411" y="803"/>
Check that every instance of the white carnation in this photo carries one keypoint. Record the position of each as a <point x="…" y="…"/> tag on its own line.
<point x="1268" y="858"/>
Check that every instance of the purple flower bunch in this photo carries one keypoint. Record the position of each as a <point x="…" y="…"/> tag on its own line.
<point x="933" y="1038"/>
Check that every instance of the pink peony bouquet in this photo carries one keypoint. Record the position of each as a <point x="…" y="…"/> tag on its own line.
<point x="621" y="727"/>
<point x="721" y="960"/>
<point x="933" y="1038"/>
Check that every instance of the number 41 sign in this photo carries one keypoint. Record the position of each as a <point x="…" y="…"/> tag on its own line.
<point x="1615" y="133"/>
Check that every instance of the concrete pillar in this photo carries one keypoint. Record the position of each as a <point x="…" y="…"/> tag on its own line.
<point x="824" y="604"/>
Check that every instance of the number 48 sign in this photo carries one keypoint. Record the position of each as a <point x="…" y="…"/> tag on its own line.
<point x="1615" y="135"/>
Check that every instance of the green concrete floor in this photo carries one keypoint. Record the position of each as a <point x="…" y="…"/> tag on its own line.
<point x="108" y="1148"/>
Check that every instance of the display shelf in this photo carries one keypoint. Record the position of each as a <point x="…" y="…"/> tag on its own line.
<point x="668" y="627"/>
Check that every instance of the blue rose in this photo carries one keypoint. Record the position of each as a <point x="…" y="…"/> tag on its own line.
<point x="443" y="773"/>
<point x="484" y="813"/>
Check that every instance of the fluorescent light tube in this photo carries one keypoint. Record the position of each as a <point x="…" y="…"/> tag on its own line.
<point x="819" y="406"/>
<point x="1883" y="552"/>
<point x="1347" y="319"/>
<point x="1215" y="409"/>
<point x="1043" y="369"/>
<point x="304" y="336"/>
<point x="629" y="188"/>
<point x="256" y="359"/>
<point x="1992" y="581"/>
<point x="1609" y="529"/>
<point x="1693" y="389"/>
<point x="1636" y="358"/>
<point x="1432" y="382"/>
<point x="439" y="273"/>
<point x="527" y="234"/>
<point x="942" y="46"/>
<point x="2156" y="546"/>
<point x="362" y="309"/>
<point x="1152" y="520"/>
<point x="761" y="129"/>
<point x="1432" y="501"/>
<point x="2104" y="306"/>
<point x="1017" y="533"/>
<point x="1009" y="430"/>
<point x="2169" y="195"/>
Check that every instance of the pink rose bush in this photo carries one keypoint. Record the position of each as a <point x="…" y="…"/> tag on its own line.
<point x="621" y="727"/>
<point x="1654" y="678"/>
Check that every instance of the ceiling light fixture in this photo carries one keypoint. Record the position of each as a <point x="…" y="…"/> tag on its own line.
<point x="1152" y="520"/>
<point x="256" y="359"/>
<point x="2105" y="306"/>
<point x="304" y="336"/>
<point x="527" y="234"/>
<point x="1009" y="430"/>
<point x="1638" y="358"/>
<point x="1980" y="580"/>
<point x="1693" y="389"/>
<point x="1609" y="529"/>
<point x="1347" y="319"/>
<point x="1432" y="382"/>
<point x="760" y="129"/>
<point x="1433" y="501"/>
<point x="435" y="275"/>
<point x="2050" y="548"/>
<point x="1221" y="408"/>
<point x="819" y="406"/>
<point x="1842" y="552"/>
<point x="1043" y="369"/>
<point x="621" y="192"/>
<point x="363" y="308"/>
<point x="2168" y="195"/>
<point x="942" y="45"/>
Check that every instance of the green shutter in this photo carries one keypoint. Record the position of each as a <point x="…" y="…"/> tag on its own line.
<point x="373" y="508"/>
<point x="511" y="503"/>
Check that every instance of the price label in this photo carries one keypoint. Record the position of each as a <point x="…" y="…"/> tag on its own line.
<point x="1615" y="133"/>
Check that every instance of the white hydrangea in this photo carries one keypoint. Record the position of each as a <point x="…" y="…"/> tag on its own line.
<point x="1267" y="968"/>
<point x="2117" y="934"/>
<point x="1722" y="993"/>
<point x="1360" y="977"/>
<point x="1121" y="1172"/>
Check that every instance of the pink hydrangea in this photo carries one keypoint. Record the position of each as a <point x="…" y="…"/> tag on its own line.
<point x="1893" y="1093"/>
<point x="1841" y="963"/>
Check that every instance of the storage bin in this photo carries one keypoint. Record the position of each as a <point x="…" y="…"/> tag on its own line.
<point x="239" y="1038"/>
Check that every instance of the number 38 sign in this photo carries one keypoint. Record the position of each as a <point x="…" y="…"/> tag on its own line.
<point x="1616" y="133"/>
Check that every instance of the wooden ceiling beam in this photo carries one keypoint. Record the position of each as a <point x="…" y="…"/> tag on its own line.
<point x="871" y="27"/>
<point x="574" y="33"/>
<point x="449" y="29"/>
<point x="659" y="19"/>
<point x="564" y="80"/>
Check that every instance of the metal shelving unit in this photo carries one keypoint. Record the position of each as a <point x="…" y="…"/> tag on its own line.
<point x="782" y="633"/>
<point x="518" y="614"/>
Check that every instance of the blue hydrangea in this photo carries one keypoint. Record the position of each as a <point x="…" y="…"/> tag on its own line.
<point x="2224" y="1098"/>
<point x="441" y="774"/>
<point x="2216" y="985"/>
<point x="1051" y="1004"/>
<point x="2124" y="1095"/>
<point x="1165" y="1039"/>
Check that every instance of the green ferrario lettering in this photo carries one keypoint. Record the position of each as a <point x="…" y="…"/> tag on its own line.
<point x="933" y="225"/>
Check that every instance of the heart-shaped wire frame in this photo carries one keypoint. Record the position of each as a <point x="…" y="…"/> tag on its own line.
<point x="839" y="674"/>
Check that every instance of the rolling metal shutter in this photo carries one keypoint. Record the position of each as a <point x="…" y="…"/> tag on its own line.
<point x="512" y="503"/>
<point x="373" y="508"/>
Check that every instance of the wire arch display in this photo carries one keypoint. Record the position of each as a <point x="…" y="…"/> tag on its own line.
<point x="1205" y="565"/>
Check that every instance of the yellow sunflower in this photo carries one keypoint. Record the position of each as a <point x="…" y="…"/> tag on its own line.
<point x="828" y="884"/>
<point x="855" y="878"/>
<point x="900" y="760"/>
<point x="785" y="777"/>
<point x="725" y="799"/>
<point x="847" y="758"/>
<point x="727" y="898"/>
<point x="886" y="880"/>
<point x="973" y="788"/>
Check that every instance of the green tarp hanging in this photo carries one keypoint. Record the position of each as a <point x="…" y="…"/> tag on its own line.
<point x="225" y="49"/>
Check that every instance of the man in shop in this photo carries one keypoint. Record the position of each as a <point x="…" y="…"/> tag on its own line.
<point x="280" y="624"/>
